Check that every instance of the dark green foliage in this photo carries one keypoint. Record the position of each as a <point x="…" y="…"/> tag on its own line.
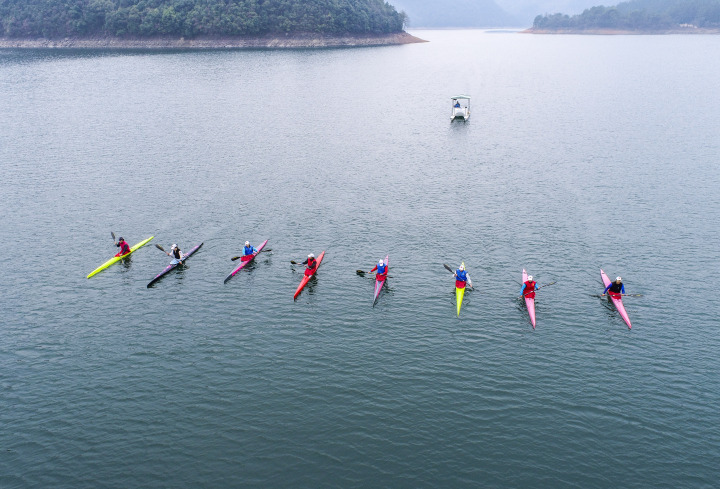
<point x="638" y="15"/>
<point x="194" y="18"/>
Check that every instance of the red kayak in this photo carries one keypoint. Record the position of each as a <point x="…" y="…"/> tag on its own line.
<point x="617" y="301"/>
<point x="380" y="280"/>
<point x="529" y="301"/>
<point x="245" y="260"/>
<point x="308" y="275"/>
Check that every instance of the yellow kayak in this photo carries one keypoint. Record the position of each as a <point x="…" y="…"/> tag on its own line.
<point x="115" y="259"/>
<point x="459" y="294"/>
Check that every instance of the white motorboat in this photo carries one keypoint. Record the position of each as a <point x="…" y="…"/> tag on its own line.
<point x="460" y="107"/>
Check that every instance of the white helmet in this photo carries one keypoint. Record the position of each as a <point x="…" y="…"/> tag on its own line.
<point x="529" y="278"/>
<point x="462" y="266"/>
<point x="174" y="246"/>
<point x="311" y="255"/>
<point x="247" y="243"/>
<point x="380" y="263"/>
<point x="619" y="279"/>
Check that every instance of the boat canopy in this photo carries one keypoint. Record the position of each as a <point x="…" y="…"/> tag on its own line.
<point x="461" y="97"/>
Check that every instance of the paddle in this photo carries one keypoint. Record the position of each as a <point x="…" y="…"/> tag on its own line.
<point x="160" y="248"/>
<point x="624" y="295"/>
<point x="546" y="285"/>
<point x="261" y="251"/>
<point x="113" y="237"/>
<point x="469" y="282"/>
<point x="362" y="274"/>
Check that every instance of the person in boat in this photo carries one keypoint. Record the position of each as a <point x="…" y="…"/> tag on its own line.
<point x="616" y="288"/>
<point x="248" y="251"/>
<point x="529" y="287"/>
<point x="381" y="268"/>
<point x="176" y="254"/>
<point x="124" y="247"/>
<point x="457" y="104"/>
<point x="310" y="265"/>
<point x="462" y="277"/>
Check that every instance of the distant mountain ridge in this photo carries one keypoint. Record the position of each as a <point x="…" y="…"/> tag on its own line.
<point x="455" y="13"/>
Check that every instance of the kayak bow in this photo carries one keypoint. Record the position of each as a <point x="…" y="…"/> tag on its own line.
<point x="529" y="301"/>
<point x="307" y="278"/>
<point x="459" y="294"/>
<point x="115" y="259"/>
<point x="244" y="263"/>
<point x="380" y="280"/>
<point x="173" y="266"/>
<point x="618" y="302"/>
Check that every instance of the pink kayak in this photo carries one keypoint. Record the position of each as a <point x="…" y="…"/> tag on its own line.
<point x="245" y="260"/>
<point x="529" y="301"/>
<point x="618" y="302"/>
<point x="380" y="280"/>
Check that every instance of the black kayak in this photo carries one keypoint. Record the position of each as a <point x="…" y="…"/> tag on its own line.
<point x="173" y="266"/>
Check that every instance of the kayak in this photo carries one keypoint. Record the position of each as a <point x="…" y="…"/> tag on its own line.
<point x="460" y="291"/>
<point x="459" y="294"/>
<point x="245" y="260"/>
<point x="529" y="301"/>
<point x="306" y="278"/>
<point x="380" y="280"/>
<point x="618" y="302"/>
<point x="115" y="259"/>
<point x="173" y="266"/>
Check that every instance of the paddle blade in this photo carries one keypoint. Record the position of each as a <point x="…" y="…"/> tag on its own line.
<point x="113" y="236"/>
<point x="360" y="272"/>
<point x="235" y="258"/>
<point x="447" y="267"/>
<point x="159" y="247"/>
<point x="293" y="262"/>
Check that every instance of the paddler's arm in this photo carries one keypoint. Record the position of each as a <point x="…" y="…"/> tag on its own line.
<point x="606" y="289"/>
<point x="373" y="269"/>
<point x="522" y="290"/>
<point x="622" y="288"/>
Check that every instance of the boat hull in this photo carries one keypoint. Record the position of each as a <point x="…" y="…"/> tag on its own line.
<point x="618" y="302"/>
<point x="245" y="263"/>
<point x="529" y="301"/>
<point x="173" y="266"/>
<point x="379" y="282"/>
<point x="306" y="278"/>
<point x="116" y="259"/>
<point x="459" y="294"/>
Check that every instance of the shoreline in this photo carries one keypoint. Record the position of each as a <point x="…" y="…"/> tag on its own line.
<point x="292" y="41"/>
<point x="625" y="32"/>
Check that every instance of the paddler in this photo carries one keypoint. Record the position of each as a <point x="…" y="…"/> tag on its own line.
<point x="381" y="269"/>
<point x="248" y="251"/>
<point x="311" y="265"/>
<point x="124" y="247"/>
<point x="462" y="277"/>
<point x="616" y="288"/>
<point x="176" y="254"/>
<point x="530" y="286"/>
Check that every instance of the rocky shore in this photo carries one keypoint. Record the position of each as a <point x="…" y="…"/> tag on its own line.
<point x="290" y="41"/>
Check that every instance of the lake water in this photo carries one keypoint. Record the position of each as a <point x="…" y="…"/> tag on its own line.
<point x="582" y="152"/>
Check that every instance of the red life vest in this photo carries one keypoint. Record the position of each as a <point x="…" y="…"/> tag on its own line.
<point x="124" y="248"/>
<point x="529" y="291"/>
<point x="311" y="265"/>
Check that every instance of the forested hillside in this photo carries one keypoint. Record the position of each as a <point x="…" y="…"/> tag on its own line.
<point x="194" y="18"/>
<point x="638" y="15"/>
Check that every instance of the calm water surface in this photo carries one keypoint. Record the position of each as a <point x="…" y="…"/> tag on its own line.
<point x="581" y="153"/>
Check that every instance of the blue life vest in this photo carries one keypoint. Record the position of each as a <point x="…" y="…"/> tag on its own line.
<point x="248" y="250"/>
<point x="461" y="275"/>
<point x="382" y="269"/>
